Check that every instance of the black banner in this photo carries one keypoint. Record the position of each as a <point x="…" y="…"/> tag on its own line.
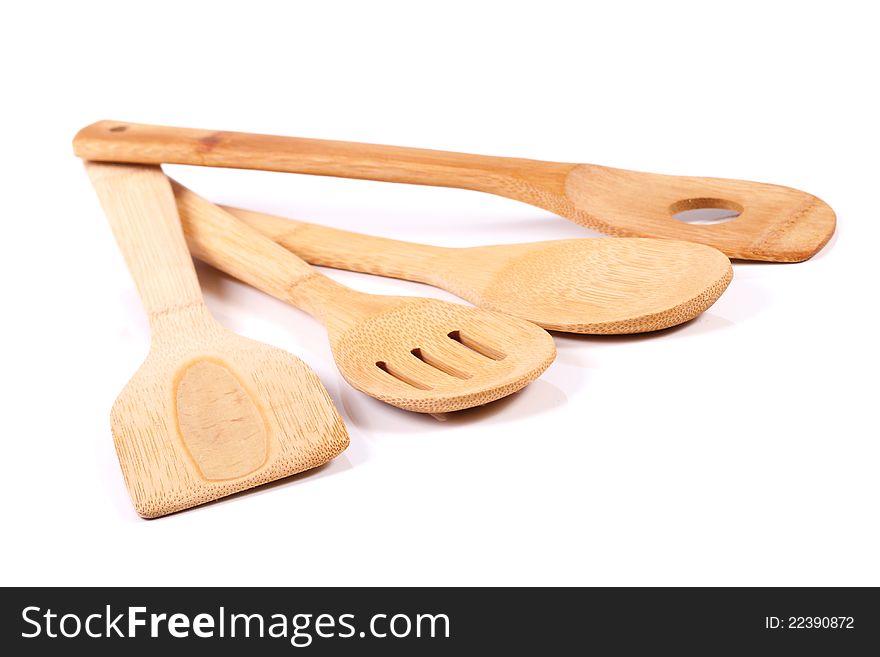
<point x="440" y="621"/>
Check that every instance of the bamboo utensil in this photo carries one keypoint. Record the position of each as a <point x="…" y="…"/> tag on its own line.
<point x="775" y="223"/>
<point x="626" y="285"/>
<point x="209" y="413"/>
<point x="418" y="354"/>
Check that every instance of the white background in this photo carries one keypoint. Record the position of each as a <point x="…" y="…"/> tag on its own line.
<point x="741" y="448"/>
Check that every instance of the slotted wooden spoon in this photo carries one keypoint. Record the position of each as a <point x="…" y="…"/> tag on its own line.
<point x="626" y="285"/>
<point x="774" y="223"/>
<point x="209" y="413"/>
<point x="418" y="354"/>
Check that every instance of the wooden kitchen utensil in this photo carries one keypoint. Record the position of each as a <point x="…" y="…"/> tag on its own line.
<point x="774" y="223"/>
<point x="626" y="285"/>
<point x="419" y="354"/>
<point x="209" y="413"/>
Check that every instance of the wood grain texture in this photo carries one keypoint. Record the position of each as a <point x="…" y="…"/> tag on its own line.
<point x="775" y="223"/>
<point x="418" y="354"/>
<point x="221" y="425"/>
<point x="598" y="286"/>
<point x="209" y="413"/>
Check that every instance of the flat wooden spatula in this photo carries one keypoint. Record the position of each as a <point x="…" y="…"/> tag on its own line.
<point x="209" y="413"/>
<point x="773" y="223"/>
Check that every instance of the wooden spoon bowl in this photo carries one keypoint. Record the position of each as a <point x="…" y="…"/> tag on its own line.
<point x="603" y="286"/>
<point x="593" y="285"/>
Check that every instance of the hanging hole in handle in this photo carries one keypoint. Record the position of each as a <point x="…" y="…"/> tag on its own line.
<point x="705" y="211"/>
<point x="119" y="128"/>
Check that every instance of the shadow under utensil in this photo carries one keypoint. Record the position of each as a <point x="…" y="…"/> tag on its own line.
<point x="488" y="229"/>
<point x="337" y="465"/>
<point x="548" y="222"/>
<point x="820" y="255"/>
<point x="742" y="300"/>
<point x="703" y="323"/>
<point x="219" y="289"/>
<point x="224" y="293"/>
<point x="212" y="281"/>
<point x="369" y="414"/>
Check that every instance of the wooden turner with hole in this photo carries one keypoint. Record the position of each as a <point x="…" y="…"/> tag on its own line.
<point x="209" y="413"/>
<point x="418" y="354"/>
<point x="774" y="223"/>
<point x="593" y="285"/>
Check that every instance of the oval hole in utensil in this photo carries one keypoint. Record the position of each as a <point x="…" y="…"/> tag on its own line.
<point x="705" y="211"/>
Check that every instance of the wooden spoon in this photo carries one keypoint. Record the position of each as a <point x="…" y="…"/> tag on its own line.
<point x="627" y="285"/>
<point x="774" y="223"/>
<point x="418" y="354"/>
<point x="209" y="413"/>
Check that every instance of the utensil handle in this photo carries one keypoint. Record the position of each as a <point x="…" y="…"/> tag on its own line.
<point x="142" y="213"/>
<point x="120" y="141"/>
<point x="216" y="237"/>
<point x="341" y="249"/>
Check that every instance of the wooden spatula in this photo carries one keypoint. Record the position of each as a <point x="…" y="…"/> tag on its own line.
<point x="209" y="413"/>
<point x="419" y="354"/>
<point x="774" y="223"/>
<point x="593" y="285"/>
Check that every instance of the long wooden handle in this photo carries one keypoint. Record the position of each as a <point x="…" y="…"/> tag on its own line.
<point x="132" y="142"/>
<point x="216" y="237"/>
<point x="341" y="249"/>
<point x="140" y="207"/>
